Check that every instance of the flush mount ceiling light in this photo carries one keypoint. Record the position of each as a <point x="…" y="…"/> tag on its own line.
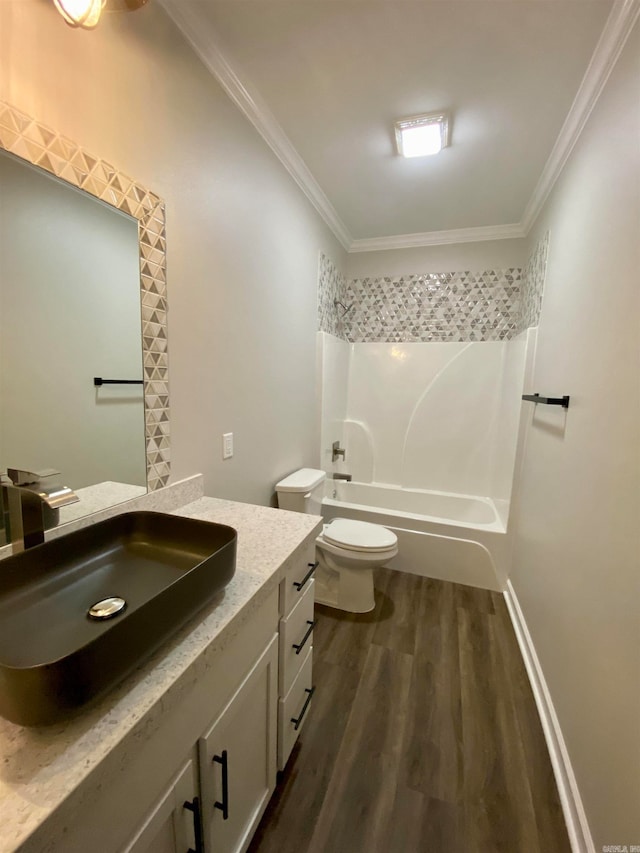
<point x="420" y="136"/>
<point x="80" y="13"/>
<point x="86" y="13"/>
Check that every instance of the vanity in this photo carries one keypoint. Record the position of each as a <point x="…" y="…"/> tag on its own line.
<point x="197" y="734"/>
<point x="182" y="755"/>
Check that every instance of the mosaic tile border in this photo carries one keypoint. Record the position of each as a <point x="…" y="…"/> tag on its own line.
<point x="533" y="282"/>
<point x="36" y="143"/>
<point x="458" y="306"/>
<point x="332" y="286"/>
<point x="449" y="306"/>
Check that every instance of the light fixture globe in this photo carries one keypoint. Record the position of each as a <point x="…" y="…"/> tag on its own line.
<point x="80" y="13"/>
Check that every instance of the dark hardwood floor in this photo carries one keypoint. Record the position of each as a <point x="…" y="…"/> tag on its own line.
<point x="422" y="735"/>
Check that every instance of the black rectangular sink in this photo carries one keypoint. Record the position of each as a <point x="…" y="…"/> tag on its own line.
<point x="147" y="572"/>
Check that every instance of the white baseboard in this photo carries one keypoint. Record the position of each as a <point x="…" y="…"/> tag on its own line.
<point x="574" y="814"/>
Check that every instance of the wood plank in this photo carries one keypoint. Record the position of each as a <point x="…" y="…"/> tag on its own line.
<point x="302" y="787"/>
<point x="423" y="824"/>
<point x="475" y="600"/>
<point x="432" y="752"/>
<point x="423" y="736"/>
<point x="404" y="832"/>
<point x="499" y="813"/>
<point x="399" y="617"/>
<point x="359" y="803"/>
<point x="442" y="828"/>
<point x="343" y="639"/>
<point x="552" y="832"/>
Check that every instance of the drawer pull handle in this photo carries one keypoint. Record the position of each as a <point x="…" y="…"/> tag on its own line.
<point x="194" y="806"/>
<point x="224" y="805"/>
<point x="298" y="722"/>
<point x="312" y="567"/>
<point x="299" y="646"/>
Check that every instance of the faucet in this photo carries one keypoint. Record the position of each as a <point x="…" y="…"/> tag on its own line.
<point x="346" y="477"/>
<point x="337" y="451"/>
<point x="29" y="507"/>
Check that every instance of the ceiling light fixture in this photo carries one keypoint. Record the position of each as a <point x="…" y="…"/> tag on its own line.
<point x="80" y="13"/>
<point x="420" y="136"/>
<point x="86" y="13"/>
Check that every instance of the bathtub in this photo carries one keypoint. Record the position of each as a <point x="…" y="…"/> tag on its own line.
<point x="459" y="538"/>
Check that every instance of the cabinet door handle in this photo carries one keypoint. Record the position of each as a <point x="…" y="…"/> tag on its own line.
<point x="298" y="722"/>
<point x="312" y="567"/>
<point x="194" y="806"/>
<point x="224" y="805"/>
<point x="299" y="646"/>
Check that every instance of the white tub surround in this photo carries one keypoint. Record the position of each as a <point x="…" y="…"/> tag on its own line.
<point x="426" y="400"/>
<point x="332" y="355"/>
<point x="458" y="538"/>
<point x="417" y="504"/>
<point x="56" y="780"/>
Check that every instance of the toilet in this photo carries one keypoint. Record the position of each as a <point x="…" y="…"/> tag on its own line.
<point x="347" y="551"/>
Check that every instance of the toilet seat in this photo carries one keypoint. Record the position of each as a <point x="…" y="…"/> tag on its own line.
<point x="344" y="533"/>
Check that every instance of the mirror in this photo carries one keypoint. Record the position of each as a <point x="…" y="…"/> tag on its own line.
<point x="82" y="295"/>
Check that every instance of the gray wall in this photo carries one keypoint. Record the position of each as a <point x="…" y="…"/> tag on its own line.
<point x="576" y="569"/>
<point x="243" y="241"/>
<point x="484" y="255"/>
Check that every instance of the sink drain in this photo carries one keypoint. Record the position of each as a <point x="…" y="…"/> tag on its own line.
<point x="107" y="608"/>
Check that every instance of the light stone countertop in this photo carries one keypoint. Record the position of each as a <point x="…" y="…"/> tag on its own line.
<point x="99" y="497"/>
<point x="41" y="767"/>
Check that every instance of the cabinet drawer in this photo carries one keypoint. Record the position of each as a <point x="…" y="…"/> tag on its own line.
<point x="295" y="584"/>
<point x="294" y="709"/>
<point x="296" y="637"/>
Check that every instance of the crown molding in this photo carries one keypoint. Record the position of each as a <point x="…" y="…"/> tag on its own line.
<point x="203" y="39"/>
<point x="204" y="42"/>
<point x="622" y="17"/>
<point x="439" y="238"/>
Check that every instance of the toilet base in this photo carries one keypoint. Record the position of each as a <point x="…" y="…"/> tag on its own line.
<point x="350" y="590"/>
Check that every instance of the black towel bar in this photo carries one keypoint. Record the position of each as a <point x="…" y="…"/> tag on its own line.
<point x="549" y="401"/>
<point x="97" y="381"/>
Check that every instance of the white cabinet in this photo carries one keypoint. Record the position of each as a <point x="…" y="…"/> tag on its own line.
<point x="217" y="799"/>
<point x="296" y="637"/>
<point x="173" y="825"/>
<point x="238" y="759"/>
<point x="297" y="579"/>
<point x="292" y="710"/>
<point x="228" y="774"/>
<point x="220" y="719"/>
<point x="296" y="651"/>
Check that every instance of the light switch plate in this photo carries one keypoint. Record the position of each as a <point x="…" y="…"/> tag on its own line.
<point x="227" y="445"/>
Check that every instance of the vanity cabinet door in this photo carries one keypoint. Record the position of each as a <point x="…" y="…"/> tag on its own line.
<point x="238" y="759"/>
<point x="171" y="825"/>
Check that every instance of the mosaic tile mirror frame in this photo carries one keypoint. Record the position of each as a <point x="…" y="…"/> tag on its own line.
<point x="36" y="143"/>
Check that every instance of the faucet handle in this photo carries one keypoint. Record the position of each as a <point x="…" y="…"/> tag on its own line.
<point x="20" y="477"/>
<point x="337" y="451"/>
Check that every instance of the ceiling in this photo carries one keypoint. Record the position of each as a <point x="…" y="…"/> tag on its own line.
<point x="328" y="78"/>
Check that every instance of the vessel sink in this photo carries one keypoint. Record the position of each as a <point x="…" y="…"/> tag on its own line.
<point x="80" y="612"/>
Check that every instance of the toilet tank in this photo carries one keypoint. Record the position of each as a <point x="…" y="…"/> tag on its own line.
<point x="302" y="491"/>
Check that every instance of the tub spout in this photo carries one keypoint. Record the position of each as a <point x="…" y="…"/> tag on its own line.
<point x="346" y="477"/>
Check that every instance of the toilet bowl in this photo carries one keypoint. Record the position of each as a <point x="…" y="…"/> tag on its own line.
<point x="347" y="551"/>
